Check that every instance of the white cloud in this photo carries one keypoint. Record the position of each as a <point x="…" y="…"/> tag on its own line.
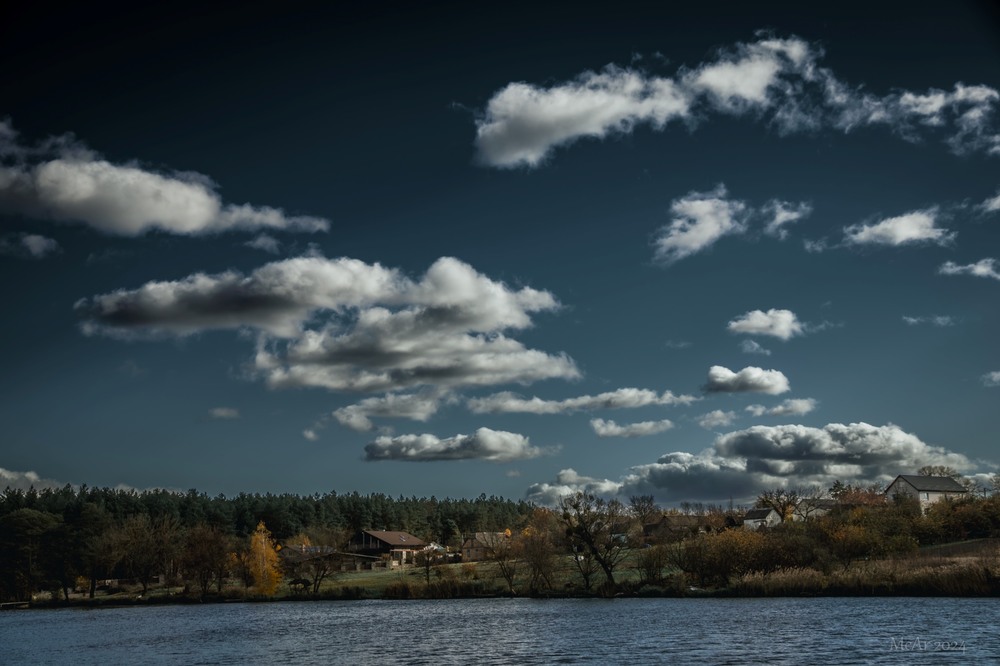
<point x="782" y="214"/>
<point x="624" y="398"/>
<point x="939" y="320"/>
<point x="790" y="407"/>
<point x="716" y="419"/>
<point x="265" y="243"/>
<point x="782" y="324"/>
<point x="25" y="480"/>
<point x="753" y="347"/>
<point x="914" y="227"/>
<point x="991" y="205"/>
<point x="611" y="429"/>
<point x="745" y="462"/>
<point x="568" y="482"/>
<point x="484" y="444"/>
<point x="310" y="434"/>
<point x="418" y="406"/>
<point x="32" y="246"/>
<point x="748" y="380"/>
<point x="224" y="413"/>
<point x="699" y="220"/>
<point x="991" y="379"/>
<point x="775" y="81"/>
<point x="343" y="324"/>
<point x="61" y="180"/>
<point x="676" y="344"/>
<point x="985" y="268"/>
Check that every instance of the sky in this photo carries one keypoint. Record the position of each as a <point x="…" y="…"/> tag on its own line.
<point x="692" y="252"/>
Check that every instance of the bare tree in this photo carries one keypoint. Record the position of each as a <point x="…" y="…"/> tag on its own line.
<point x="537" y="549"/>
<point x="502" y="549"/>
<point x="782" y="500"/>
<point x="599" y="528"/>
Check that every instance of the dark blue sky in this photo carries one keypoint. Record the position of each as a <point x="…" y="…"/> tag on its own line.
<point x="723" y="248"/>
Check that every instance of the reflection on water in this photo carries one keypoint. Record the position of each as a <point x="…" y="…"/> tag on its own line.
<point x="523" y="631"/>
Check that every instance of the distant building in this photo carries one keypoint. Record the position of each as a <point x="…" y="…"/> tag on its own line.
<point x="480" y="545"/>
<point x="758" y="518"/>
<point x="926" y="489"/>
<point x="401" y="547"/>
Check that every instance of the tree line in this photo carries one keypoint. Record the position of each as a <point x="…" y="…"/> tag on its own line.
<point x="50" y="538"/>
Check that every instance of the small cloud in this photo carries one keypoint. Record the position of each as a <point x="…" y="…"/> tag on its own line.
<point x="611" y="429"/>
<point x="752" y="347"/>
<point x="25" y="481"/>
<point x="226" y="413"/>
<point x="716" y="419"/>
<point x="915" y="227"/>
<point x="782" y="324"/>
<point x="310" y="434"/>
<point x="991" y="205"/>
<point x="624" y="398"/>
<point x="984" y="268"/>
<point x="30" y="246"/>
<point x="782" y="214"/>
<point x="699" y="220"/>
<point x="933" y="321"/>
<point x="676" y="344"/>
<point x="512" y="473"/>
<point x="131" y="369"/>
<point x="748" y="380"/>
<point x="816" y="246"/>
<point x="484" y="444"/>
<point x="790" y="407"/>
<point x="991" y="379"/>
<point x="265" y="243"/>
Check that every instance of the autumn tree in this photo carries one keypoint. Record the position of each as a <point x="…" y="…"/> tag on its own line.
<point x="644" y="508"/>
<point x="538" y="549"/>
<point x="263" y="561"/>
<point x="782" y="500"/>
<point x="502" y="549"/>
<point x="597" y="528"/>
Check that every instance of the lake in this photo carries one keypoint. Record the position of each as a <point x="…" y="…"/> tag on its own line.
<point x="523" y="631"/>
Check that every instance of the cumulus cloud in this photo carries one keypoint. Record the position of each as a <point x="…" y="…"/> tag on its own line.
<point x="753" y="347"/>
<point x="699" y="219"/>
<point x="419" y="406"/>
<point x="939" y="320"/>
<point x="611" y="429"/>
<point x="912" y="228"/>
<point x="777" y="81"/>
<point x="343" y="324"/>
<point x="484" y="444"/>
<point x="716" y="419"/>
<point x="790" y="407"/>
<point x="742" y="463"/>
<point x="310" y="434"/>
<point x="32" y="246"/>
<point x="61" y="180"/>
<point x="991" y="378"/>
<point x="224" y="413"/>
<point x="748" y="380"/>
<point x="25" y="481"/>
<point x="568" y="482"/>
<point x="624" y="398"/>
<point x="783" y="213"/>
<point x="984" y="268"/>
<point x="782" y="324"/>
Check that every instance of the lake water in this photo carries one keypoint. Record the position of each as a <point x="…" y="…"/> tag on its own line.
<point x="522" y="631"/>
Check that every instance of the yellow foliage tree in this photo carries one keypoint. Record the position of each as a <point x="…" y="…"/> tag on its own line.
<point x="264" y="564"/>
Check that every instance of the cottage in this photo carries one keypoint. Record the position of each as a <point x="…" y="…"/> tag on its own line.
<point x="480" y="545"/>
<point x="758" y="518"/>
<point x="401" y="547"/>
<point x="813" y="508"/>
<point x="926" y="489"/>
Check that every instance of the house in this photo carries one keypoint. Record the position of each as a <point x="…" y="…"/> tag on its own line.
<point x="758" y="518"/>
<point x="674" y="528"/>
<point x="481" y="545"/>
<point x="400" y="547"/>
<point x="926" y="489"/>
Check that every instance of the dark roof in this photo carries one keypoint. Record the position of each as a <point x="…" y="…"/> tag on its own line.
<point x="933" y="484"/>
<point x="396" y="538"/>
<point x="758" y="514"/>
